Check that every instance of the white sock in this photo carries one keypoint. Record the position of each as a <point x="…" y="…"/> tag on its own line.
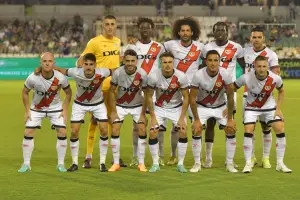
<point x="267" y="143"/>
<point x="135" y="137"/>
<point x="61" y="147"/>
<point x="196" y="148"/>
<point x="208" y="150"/>
<point x="115" y="147"/>
<point x="230" y="148"/>
<point x="174" y="141"/>
<point x="160" y="138"/>
<point x="153" y="145"/>
<point x="280" y="147"/>
<point x="253" y="146"/>
<point x="248" y="146"/>
<point x="103" y="145"/>
<point x="27" y="146"/>
<point x="182" y="147"/>
<point x="74" y="146"/>
<point x="142" y="143"/>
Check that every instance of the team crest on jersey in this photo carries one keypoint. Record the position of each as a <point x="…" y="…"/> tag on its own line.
<point x="153" y="49"/>
<point x="218" y="84"/>
<point x="96" y="81"/>
<point x="227" y="51"/>
<point x="267" y="88"/>
<point x="54" y="87"/>
<point x="173" y="85"/>
<point x="137" y="82"/>
<point x="192" y="54"/>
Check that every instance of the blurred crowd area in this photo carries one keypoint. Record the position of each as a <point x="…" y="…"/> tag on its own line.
<point x="146" y="2"/>
<point x="68" y="38"/>
<point x="35" y="36"/>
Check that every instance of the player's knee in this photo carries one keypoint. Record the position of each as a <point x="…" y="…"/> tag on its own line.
<point x="278" y="127"/>
<point x="142" y="130"/>
<point x="74" y="133"/>
<point x="182" y="134"/>
<point x="197" y="133"/>
<point x="153" y="134"/>
<point x="29" y="132"/>
<point x="61" y="132"/>
<point x="115" y="130"/>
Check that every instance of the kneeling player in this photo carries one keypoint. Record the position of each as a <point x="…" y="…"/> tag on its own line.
<point x="88" y="98"/>
<point x="261" y="103"/>
<point x="129" y="101"/>
<point x="46" y="102"/>
<point x="171" y="90"/>
<point x="207" y="90"/>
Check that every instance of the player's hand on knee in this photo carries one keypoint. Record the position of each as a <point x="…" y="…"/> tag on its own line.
<point x="27" y="116"/>
<point x="154" y="124"/>
<point x="181" y="125"/>
<point x="196" y="126"/>
<point x="142" y="119"/>
<point x="114" y="117"/>
<point x="225" y="112"/>
<point x="230" y="127"/>
<point x="279" y="114"/>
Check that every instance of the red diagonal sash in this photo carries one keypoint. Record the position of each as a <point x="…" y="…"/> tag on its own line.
<point x="135" y="85"/>
<point x="169" y="93"/>
<point x="153" y="51"/>
<point x="227" y="55"/>
<point x="192" y="56"/>
<point x="219" y="84"/>
<point x="52" y="91"/>
<point x="95" y="84"/>
<point x="264" y="93"/>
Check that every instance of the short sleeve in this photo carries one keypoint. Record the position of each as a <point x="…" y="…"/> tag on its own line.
<point x="114" y="77"/>
<point x="106" y="72"/>
<point x="72" y="72"/>
<point x="227" y="79"/>
<point x="204" y="51"/>
<point x="29" y="83"/>
<point x="64" y="82"/>
<point x="167" y="45"/>
<point x="183" y="81"/>
<point x="90" y="47"/>
<point x="279" y="82"/>
<point x="195" y="81"/>
<point x="274" y="60"/>
<point x="151" y="82"/>
<point x="240" y="82"/>
<point x="240" y="51"/>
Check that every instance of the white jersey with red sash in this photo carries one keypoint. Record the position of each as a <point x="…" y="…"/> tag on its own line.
<point x="46" y="96"/>
<point x="89" y="90"/>
<point x="148" y="54"/>
<point x="187" y="59"/>
<point x="259" y="96"/>
<point x="167" y="90"/>
<point x="229" y="53"/>
<point x="129" y="87"/>
<point x="211" y="89"/>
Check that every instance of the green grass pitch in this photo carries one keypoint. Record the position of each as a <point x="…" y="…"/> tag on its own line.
<point x="44" y="182"/>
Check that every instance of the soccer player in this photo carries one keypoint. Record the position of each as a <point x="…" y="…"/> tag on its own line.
<point x="230" y="53"/>
<point x="88" y="98"/>
<point x="148" y="52"/>
<point x="207" y="90"/>
<point x="129" y="81"/>
<point x="258" y="48"/>
<point x="46" y="102"/>
<point x="171" y="90"/>
<point x="187" y="52"/>
<point x="106" y="48"/>
<point x="261" y="103"/>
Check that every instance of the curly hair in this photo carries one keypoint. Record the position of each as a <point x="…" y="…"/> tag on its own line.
<point x="145" y="20"/>
<point x="191" y="22"/>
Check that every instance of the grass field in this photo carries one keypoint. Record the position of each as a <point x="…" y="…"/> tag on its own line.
<point x="44" y="182"/>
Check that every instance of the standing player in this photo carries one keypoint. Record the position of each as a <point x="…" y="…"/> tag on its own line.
<point x="46" y="102"/>
<point x="88" y="98"/>
<point x="230" y="53"/>
<point x="258" y="48"/>
<point x="130" y="81"/>
<point x="187" y="52"/>
<point x="261" y="103"/>
<point x="148" y="52"/>
<point x="171" y="90"/>
<point x="106" y="48"/>
<point x="208" y="87"/>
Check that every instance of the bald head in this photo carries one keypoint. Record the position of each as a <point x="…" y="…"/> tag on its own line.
<point x="47" y="61"/>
